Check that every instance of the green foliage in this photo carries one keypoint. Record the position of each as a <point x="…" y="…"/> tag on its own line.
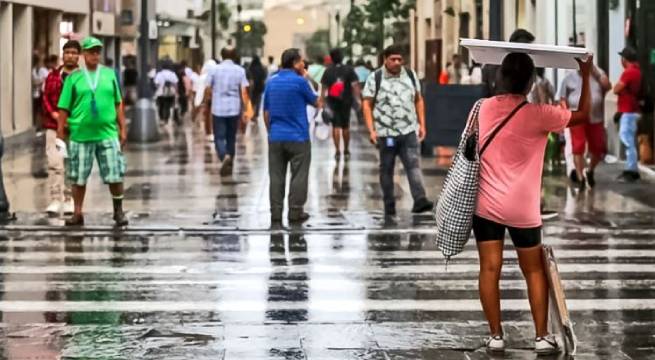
<point x="251" y="42"/>
<point x="317" y="45"/>
<point x="224" y="15"/>
<point x="365" y="25"/>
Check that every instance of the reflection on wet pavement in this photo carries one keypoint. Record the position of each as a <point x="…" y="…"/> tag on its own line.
<point x="198" y="275"/>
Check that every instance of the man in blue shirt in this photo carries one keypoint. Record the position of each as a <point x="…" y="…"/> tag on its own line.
<point x="285" y="114"/>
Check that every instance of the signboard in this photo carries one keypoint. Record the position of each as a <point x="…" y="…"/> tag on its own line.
<point x="103" y="24"/>
<point x="153" y="33"/>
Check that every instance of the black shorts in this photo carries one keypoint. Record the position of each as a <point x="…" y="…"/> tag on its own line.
<point x="341" y="113"/>
<point x="487" y="230"/>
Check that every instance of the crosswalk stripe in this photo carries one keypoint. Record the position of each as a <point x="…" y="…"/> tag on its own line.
<point x="323" y="284"/>
<point x="327" y="306"/>
<point x="318" y="269"/>
<point x="182" y="255"/>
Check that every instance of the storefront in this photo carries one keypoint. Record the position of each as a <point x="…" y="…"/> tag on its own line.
<point x="28" y="29"/>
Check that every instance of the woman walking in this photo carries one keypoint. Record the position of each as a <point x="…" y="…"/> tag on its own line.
<point x="510" y="187"/>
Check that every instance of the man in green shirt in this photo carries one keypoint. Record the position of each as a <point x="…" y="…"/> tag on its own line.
<point x="90" y="109"/>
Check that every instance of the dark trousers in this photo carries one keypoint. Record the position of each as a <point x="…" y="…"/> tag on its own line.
<point x="164" y="105"/>
<point x="407" y="148"/>
<point x="280" y="156"/>
<point x="225" y="135"/>
<point x="256" y="103"/>
<point x="183" y="100"/>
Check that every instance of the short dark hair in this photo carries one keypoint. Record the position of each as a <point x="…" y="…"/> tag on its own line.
<point x="392" y="50"/>
<point x="72" y="44"/>
<point x="336" y="55"/>
<point x="229" y="54"/>
<point x="290" y="57"/>
<point x="516" y="73"/>
<point x="521" y="36"/>
<point x="52" y="59"/>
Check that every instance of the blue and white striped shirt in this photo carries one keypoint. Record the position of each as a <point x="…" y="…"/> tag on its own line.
<point x="226" y="80"/>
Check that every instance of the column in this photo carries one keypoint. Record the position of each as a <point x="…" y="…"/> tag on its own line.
<point x="55" y="18"/>
<point x="413" y="24"/>
<point x="83" y="25"/>
<point x="6" y="68"/>
<point x="23" y="22"/>
<point x="509" y="18"/>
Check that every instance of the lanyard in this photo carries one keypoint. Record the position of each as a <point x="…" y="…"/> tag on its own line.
<point x="93" y="86"/>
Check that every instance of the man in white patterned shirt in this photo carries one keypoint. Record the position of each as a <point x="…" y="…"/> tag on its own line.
<point x="394" y="113"/>
<point x="228" y="87"/>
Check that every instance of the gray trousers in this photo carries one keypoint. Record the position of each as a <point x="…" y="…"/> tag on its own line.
<point x="407" y="148"/>
<point x="280" y="155"/>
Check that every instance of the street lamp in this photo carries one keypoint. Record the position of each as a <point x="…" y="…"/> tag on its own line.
<point x="337" y="17"/>
<point x="239" y="8"/>
<point x="213" y="27"/>
<point x="143" y="127"/>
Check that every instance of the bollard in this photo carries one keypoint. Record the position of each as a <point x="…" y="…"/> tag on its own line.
<point x="143" y="125"/>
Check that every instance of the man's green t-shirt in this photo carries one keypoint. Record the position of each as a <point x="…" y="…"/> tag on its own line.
<point x="86" y="125"/>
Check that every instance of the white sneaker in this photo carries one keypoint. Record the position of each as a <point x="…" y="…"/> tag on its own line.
<point x="68" y="207"/>
<point x="54" y="208"/>
<point x="546" y="345"/>
<point x="495" y="344"/>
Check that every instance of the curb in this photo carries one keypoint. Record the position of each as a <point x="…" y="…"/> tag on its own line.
<point x="647" y="173"/>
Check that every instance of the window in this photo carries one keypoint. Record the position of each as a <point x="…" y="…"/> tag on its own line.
<point x="104" y="5"/>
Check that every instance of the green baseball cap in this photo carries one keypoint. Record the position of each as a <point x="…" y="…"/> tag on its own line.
<point x="90" y="42"/>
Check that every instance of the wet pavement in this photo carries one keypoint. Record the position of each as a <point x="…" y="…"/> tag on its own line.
<point x="198" y="274"/>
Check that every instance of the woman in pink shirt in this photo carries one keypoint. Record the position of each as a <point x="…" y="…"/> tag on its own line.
<point x="510" y="188"/>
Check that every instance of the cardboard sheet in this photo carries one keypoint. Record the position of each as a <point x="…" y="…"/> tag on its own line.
<point x="548" y="56"/>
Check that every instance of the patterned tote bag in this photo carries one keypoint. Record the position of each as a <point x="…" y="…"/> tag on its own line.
<point x="458" y="199"/>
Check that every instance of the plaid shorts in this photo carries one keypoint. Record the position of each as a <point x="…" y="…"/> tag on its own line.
<point x="108" y="154"/>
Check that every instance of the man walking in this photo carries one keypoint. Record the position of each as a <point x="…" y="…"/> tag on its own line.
<point x="90" y="108"/>
<point x="591" y="135"/>
<point x="166" y="83"/>
<point x="340" y="88"/>
<point x="627" y="89"/>
<point x="285" y="114"/>
<point x="394" y="112"/>
<point x="228" y="86"/>
<point x="59" y="190"/>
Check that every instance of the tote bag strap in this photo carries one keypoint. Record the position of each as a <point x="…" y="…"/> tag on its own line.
<point x="472" y="122"/>
<point x="502" y="124"/>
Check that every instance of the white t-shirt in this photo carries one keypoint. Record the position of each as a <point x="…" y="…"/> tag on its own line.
<point x="38" y="81"/>
<point x="163" y="77"/>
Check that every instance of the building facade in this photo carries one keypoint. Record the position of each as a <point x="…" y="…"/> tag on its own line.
<point x="603" y="26"/>
<point x="27" y="28"/>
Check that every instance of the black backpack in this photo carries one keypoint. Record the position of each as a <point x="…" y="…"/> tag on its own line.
<point x="378" y="82"/>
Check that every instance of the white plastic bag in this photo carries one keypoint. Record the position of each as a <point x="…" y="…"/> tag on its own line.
<point x="61" y="148"/>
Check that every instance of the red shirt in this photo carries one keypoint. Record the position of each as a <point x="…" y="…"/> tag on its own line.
<point x="51" y="92"/>
<point x="629" y="98"/>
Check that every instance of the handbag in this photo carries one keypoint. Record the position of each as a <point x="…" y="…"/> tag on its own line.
<point x="458" y="199"/>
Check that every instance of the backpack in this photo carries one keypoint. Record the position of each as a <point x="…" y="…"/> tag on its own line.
<point x="338" y="89"/>
<point x="168" y="90"/>
<point x="378" y="82"/>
